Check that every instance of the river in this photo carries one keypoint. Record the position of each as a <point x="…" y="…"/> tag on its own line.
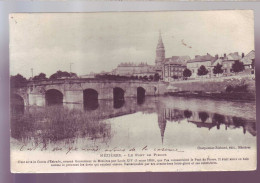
<point x="167" y="121"/>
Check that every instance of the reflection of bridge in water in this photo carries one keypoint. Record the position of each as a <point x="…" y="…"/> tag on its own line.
<point x="210" y="120"/>
<point x="106" y="109"/>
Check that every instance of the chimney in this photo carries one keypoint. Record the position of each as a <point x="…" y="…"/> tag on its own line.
<point x="225" y="55"/>
<point x="216" y="56"/>
<point x="243" y="55"/>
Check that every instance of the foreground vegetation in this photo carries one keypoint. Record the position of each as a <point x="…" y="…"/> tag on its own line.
<point x="55" y="123"/>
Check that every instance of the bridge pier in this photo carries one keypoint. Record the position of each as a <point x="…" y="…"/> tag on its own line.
<point x="73" y="90"/>
<point x="73" y="96"/>
<point x="36" y="99"/>
<point x="105" y="93"/>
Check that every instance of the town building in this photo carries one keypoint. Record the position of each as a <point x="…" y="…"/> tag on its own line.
<point x="168" y="68"/>
<point x="249" y="62"/>
<point x="132" y="69"/>
<point x="228" y="61"/>
<point x="143" y="69"/>
<point x="206" y="60"/>
<point x="173" y="67"/>
<point x="91" y="75"/>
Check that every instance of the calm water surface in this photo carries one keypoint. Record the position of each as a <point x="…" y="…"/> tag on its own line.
<point x="173" y="122"/>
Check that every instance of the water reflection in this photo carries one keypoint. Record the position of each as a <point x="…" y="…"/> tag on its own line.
<point x="211" y="120"/>
<point x="203" y="116"/>
<point x="118" y="97"/>
<point x="119" y="103"/>
<point x="121" y="115"/>
<point x="140" y="95"/>
<point x="187" y="114"/>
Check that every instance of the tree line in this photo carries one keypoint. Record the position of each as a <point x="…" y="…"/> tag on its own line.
<point x="19" y="80"/>
<point x="237" y="66"/>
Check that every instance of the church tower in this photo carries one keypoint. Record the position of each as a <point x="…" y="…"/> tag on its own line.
<point x="160" y="52"/>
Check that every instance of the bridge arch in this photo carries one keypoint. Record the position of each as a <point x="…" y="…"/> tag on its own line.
<point x="118" y="97"/>
<point x="53" y="87"/>
<point x="90" y="99"/>
<point x="17" y="104"/>
<point x="53" y="97"/>
<point x="140" y="95"/>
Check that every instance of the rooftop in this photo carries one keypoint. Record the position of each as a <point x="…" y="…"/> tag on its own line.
<point x="131" y="64"/>
<point x="178" y="60"/>
<point x="203" y="58"/>
<point x="233" y="56"/>
<point x="249" y="57"/>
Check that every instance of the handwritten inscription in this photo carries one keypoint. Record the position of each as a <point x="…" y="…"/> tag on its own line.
<point x="108" y="151"/>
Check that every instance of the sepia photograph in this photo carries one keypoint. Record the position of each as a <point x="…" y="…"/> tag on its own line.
<point x="132" y="91"/>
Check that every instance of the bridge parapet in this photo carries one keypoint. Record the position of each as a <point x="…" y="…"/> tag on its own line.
<point x="72" y="90"/>
<point x="76" y="80"/>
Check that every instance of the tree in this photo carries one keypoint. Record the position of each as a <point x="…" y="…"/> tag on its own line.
<point x="145" y="78"/>
<point x="156" y="77"/>
<point x="218" y="69"/>
<point x="41" y="76"/>
<point x="187" y="73"/>
<point x="17" y="81"/>
<point x="132" y="77"/>
<point x="238" y="66"/>
<point x="202" y="71"/>
<point x="151" y="77"/>
<point x="62" y="74"/>
<point x="73" y="75"/>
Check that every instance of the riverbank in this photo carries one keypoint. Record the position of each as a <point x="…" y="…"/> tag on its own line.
<point x="234" y="96"/>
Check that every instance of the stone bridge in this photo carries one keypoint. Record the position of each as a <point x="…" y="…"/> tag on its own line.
<point x="41" y="93"/>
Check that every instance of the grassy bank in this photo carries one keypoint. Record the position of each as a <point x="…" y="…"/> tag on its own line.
<point x="56" y="123"/>
<point x="233" y="96"/>
<point x="232" y="91"/>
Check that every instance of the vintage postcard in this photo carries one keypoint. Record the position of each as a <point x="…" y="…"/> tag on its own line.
<point x="132" y="91"/>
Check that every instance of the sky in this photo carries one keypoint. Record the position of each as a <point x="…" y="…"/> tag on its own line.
<point x="95" y="42"/>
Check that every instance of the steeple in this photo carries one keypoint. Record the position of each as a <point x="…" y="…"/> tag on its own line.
<point x="160" y="52"/>
<point x="160" y="42"/>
